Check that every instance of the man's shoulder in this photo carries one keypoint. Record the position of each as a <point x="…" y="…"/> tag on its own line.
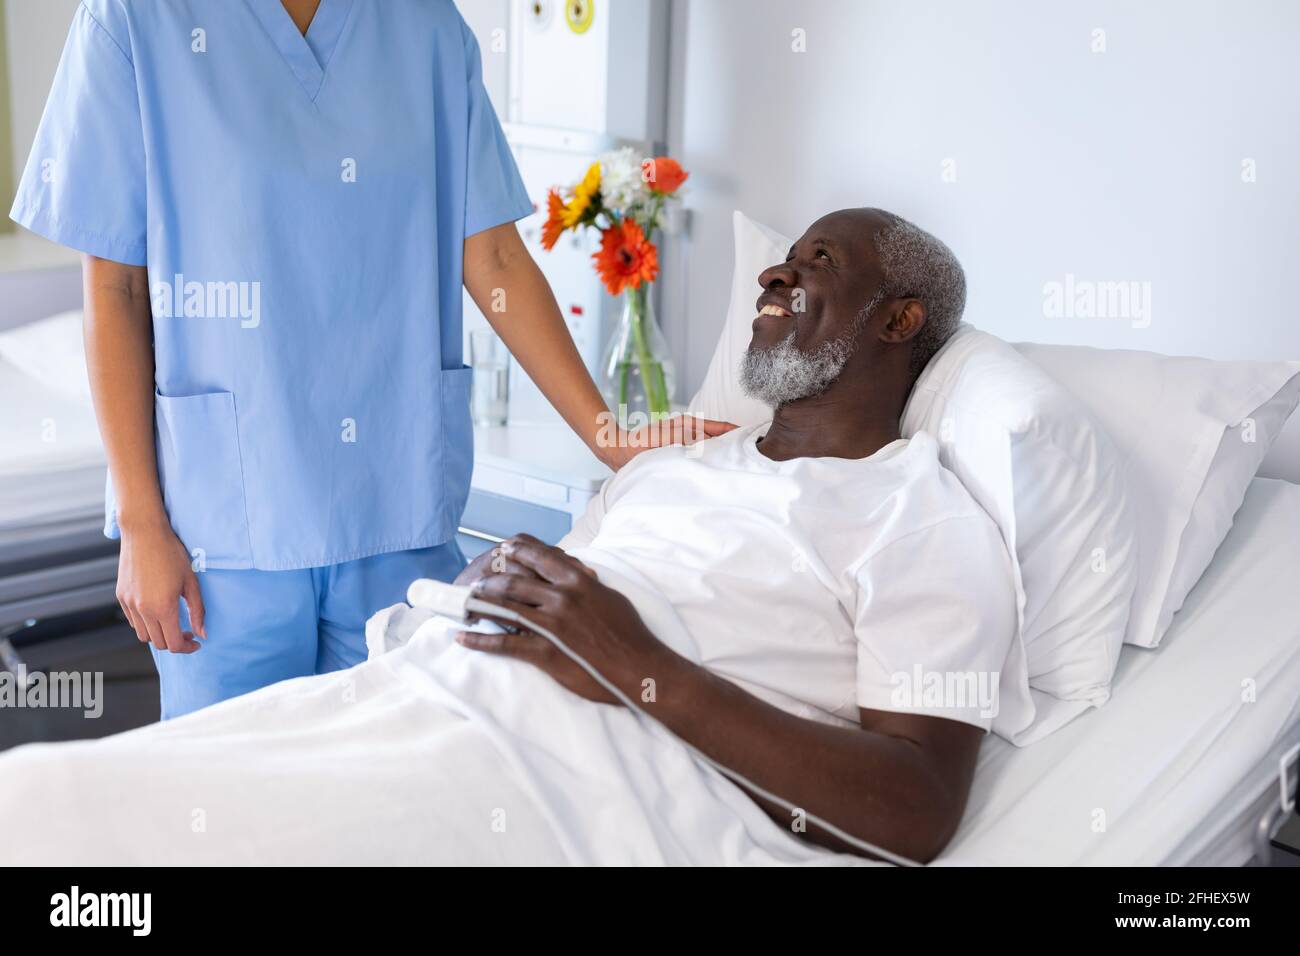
<point x="928" y="497"/>
<point x="925" y="480"/>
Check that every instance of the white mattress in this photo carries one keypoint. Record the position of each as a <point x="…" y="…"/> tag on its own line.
<point x="1175" y="768"/>
<point x="52" y="467"/>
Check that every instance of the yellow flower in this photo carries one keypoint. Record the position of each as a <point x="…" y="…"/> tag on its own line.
<point x="583" y="195"/>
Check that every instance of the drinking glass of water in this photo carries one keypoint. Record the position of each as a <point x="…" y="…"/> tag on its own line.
<point x="490" y="399"/>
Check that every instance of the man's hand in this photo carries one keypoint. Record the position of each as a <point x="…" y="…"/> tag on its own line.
<point x="490" y="562"/>
<point x="677" y="430"/>
<point x="153" y="574"/>
<point x="497" y="561"/>
<point x="596" y="622"/>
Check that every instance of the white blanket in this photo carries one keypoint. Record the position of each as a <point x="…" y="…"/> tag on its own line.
<point x="427" y="753"/>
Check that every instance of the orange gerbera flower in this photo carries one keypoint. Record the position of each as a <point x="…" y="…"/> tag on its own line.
<point x="554" y="224"/>
<point x="626" y="258"/>
<point x="663" y="174"/>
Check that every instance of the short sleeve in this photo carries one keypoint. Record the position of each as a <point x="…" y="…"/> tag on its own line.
<point x="935" y="622"/>
<point x="84" y="184"/>
<point x="494" y="190"/>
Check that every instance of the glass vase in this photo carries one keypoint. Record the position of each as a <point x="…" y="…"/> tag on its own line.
<point x="637" y="375"/>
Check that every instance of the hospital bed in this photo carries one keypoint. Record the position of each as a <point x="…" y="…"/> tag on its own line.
<point x="1181" y="766"/>
<point x="1193" y="760"/>
<point x="54" y="558"/>
<point x="1175" y="769"/>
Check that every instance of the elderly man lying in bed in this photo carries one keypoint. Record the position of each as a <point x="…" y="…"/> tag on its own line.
<point x="816" y="604"/>
<point x="852" y="605"/>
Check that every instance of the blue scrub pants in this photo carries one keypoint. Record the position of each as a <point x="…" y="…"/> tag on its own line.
<point x="269" y="626"/>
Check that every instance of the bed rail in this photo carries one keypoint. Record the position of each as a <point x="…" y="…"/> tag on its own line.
<point x="1272" y="818"/>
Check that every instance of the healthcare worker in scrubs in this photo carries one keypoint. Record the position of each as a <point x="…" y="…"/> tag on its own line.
<point x="278" y="202"/>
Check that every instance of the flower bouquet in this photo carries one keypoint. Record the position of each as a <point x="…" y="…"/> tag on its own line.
<point x="624" y="199"/>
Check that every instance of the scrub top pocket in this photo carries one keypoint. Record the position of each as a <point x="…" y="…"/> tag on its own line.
<point x="201" y="473"/>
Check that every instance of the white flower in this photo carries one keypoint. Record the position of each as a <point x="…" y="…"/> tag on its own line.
<point x="621" y="184"/>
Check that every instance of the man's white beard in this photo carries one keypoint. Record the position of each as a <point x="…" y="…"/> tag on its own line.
<point x="783" y="373"/>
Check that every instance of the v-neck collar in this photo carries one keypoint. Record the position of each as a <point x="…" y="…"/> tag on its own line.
<point x="308" y="56"/>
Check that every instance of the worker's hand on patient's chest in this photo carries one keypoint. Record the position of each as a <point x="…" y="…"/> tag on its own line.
<point x="678" y="430"/>
<point x="596" y="622"/>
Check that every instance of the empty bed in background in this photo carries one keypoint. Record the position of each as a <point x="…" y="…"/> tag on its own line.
<point x="54" y="558"/>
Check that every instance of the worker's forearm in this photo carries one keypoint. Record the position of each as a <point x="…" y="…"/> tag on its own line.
<point x="519" y="304"/>
<point x="873" y="786"/>
<point x="119" y="360"/>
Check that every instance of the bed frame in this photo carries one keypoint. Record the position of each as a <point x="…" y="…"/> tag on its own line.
<point x="1280" y="805"/>
<point x="71" y="570"/>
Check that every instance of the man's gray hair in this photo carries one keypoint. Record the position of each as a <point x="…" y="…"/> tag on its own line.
<point x="916" y="265"/>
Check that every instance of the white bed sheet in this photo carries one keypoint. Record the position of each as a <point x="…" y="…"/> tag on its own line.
<point x="52" y="467"/>
<point x="413" y="756"/>
<point x="1172" y="769"/>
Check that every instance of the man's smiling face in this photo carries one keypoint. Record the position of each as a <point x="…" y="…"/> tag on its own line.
<point x="811" y="311"/>
<point x="831" y="271"/>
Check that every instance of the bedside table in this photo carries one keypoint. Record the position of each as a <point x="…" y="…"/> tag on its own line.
<point x="527" y="477"/>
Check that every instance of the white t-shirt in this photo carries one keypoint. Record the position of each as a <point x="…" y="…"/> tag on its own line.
<point x="822" y="584"/>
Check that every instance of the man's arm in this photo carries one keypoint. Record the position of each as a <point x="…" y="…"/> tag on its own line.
<point x="154" y="568"/>
<point x="900" y="781"/>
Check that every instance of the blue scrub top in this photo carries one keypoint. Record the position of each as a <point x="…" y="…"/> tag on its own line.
<point x="301" y="205"/>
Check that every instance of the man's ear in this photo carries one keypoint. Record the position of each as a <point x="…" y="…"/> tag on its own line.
<point x="906" y="319"/>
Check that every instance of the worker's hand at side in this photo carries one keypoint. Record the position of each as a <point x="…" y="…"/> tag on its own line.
<point x="678" y="430"/>
<point x="596" y="622"/>
<point x="153" y="574"/>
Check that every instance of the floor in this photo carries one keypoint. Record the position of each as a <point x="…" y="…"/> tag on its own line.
<point x="101" y="642"/>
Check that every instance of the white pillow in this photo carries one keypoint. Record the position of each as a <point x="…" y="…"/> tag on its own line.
<point x="51" y="351"/>
<point x="1283" y="459"/>
<point x="1192" y="433"/>
<point x="1050" y="477"/>
<point x="1030" y="455"/>
<point x="721" y="397"/>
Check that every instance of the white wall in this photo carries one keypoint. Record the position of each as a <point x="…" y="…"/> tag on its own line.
<point x="1122" y="165"/>
<point x="483" y="17"/>
<point x="35" y="31"/>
